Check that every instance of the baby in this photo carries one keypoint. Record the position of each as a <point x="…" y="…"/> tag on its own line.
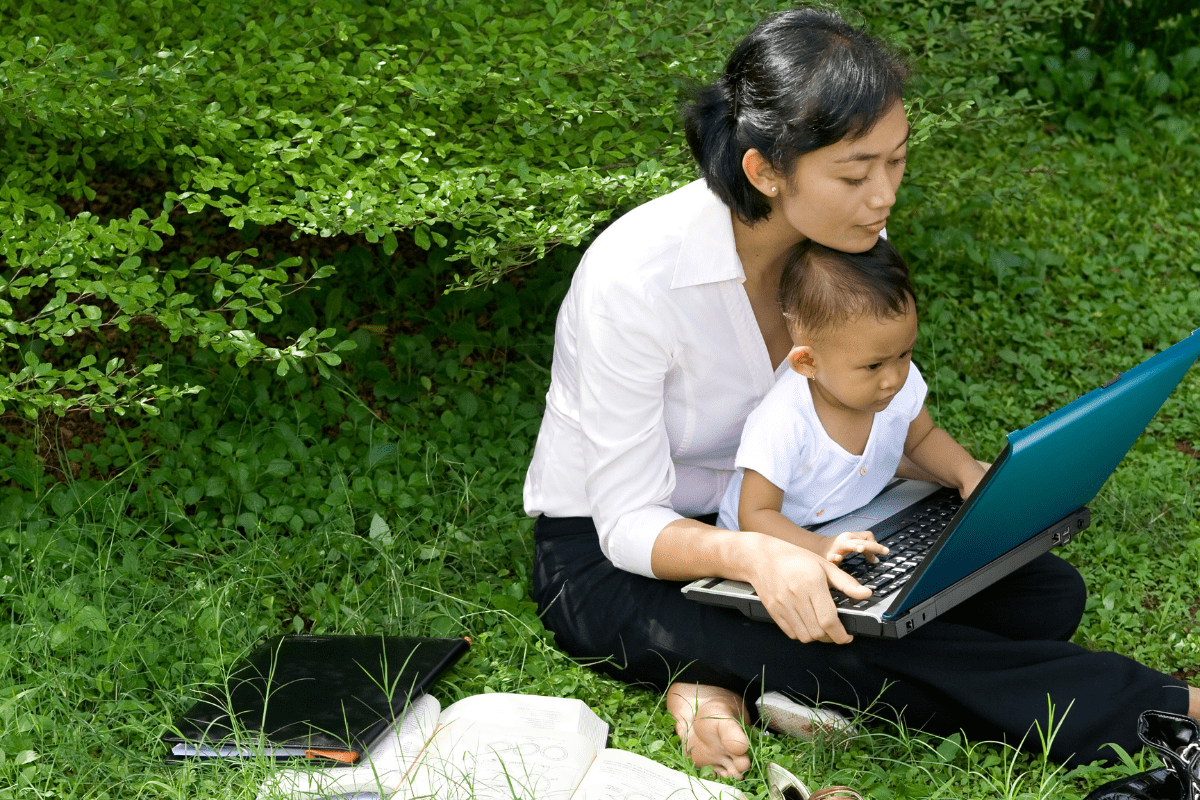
<point x="830" y="434"/>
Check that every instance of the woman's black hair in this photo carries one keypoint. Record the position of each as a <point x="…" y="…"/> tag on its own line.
<point x="822" y="288"/>
<point x="801" y="80"/>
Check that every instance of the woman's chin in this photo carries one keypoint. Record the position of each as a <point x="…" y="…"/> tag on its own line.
<point x="858" y="241"/>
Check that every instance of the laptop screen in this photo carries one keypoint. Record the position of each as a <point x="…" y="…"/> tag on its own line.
<point x="1053" y="467"/>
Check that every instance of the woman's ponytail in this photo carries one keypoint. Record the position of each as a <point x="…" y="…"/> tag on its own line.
<point x="711" y="126"/>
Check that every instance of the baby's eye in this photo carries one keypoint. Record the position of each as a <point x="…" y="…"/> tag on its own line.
<point x="874" y="366"/>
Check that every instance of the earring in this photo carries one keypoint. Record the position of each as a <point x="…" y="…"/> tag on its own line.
<point x="774" y="189"/>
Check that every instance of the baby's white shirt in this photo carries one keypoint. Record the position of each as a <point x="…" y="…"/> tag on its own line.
<point x="785" y="442"/>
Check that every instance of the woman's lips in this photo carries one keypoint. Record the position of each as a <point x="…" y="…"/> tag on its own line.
<point x="876" y="227"/>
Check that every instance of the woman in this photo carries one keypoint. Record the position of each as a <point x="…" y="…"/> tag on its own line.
<point x="669" y="336"/>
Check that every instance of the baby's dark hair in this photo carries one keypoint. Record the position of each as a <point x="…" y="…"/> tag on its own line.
<point x="801" y="80"/>
<point x="822" y="288"/>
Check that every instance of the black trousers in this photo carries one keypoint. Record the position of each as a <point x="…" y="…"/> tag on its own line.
<point x="996" y="667"/>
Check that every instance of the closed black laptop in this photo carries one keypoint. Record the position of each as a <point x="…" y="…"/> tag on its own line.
<point x="312" y="696"/>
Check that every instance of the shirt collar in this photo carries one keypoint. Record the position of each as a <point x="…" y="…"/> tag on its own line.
<point x="707" y="253"/>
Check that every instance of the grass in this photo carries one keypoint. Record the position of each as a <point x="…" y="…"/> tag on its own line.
<point x="141" y="558"/>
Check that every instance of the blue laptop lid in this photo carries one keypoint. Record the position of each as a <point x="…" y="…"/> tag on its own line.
<point x="1052" y="468"/>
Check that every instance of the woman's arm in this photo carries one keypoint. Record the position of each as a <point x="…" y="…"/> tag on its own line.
<point x="793" y="583"/>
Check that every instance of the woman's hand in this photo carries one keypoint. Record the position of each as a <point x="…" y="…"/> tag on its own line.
<point x="792" y="581"/>
<point x="793" y="584"/>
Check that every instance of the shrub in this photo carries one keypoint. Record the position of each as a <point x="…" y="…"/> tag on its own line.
<point x="497" y="128"/>
<point x="1165" y="26"/>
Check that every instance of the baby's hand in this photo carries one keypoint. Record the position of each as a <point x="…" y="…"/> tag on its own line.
<point x="973" y="478"/>
<point x="835" y="548"/>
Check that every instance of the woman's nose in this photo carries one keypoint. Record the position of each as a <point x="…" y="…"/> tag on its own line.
<point x="884" y="196"/>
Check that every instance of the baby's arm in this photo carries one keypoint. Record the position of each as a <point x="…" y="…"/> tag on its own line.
<point x="759" y="510"/>
<point x="935" y="451"/>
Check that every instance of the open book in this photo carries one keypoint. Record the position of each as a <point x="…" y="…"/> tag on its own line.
<point x="497" y="747"/>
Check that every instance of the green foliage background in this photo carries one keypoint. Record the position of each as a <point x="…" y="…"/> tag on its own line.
<point x="462" y="125"/>
<point x="263" y="207"/>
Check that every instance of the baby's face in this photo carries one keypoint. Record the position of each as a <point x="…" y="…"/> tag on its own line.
<point x="864" y="363"/>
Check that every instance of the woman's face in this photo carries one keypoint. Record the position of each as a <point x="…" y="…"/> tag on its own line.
<point x="840" y="196"/>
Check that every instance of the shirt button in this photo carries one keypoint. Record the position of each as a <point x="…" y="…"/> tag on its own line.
<point x="862" y="471"/>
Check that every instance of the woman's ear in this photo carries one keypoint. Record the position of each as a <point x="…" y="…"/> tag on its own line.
<point x="801" y="360"/>
<point x="760" y="174"/>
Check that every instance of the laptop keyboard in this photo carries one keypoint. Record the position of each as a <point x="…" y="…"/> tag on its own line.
<point x="909" y="545"/>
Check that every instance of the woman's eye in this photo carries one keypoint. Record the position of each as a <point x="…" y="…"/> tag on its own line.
<point x="855" y="181"/>
<point x="895" y="162"/>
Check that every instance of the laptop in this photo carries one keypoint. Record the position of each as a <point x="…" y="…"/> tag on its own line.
<point x="1034" y="497"/>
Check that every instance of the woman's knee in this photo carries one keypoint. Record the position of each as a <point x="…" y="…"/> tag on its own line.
<point x="1044" y="600"/>
<point x="1065" y="597"/>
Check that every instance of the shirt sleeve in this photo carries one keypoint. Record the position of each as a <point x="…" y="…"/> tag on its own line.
<point x="912" y="396"/>
<point x="624" y="356"/>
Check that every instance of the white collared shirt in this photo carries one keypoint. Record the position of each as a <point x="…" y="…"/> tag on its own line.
<point x="658" y="360"/>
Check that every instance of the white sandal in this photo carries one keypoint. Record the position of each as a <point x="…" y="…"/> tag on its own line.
<point x="782" y="714"/>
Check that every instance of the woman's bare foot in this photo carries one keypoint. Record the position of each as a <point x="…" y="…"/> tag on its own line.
<point x="710" y="722"/>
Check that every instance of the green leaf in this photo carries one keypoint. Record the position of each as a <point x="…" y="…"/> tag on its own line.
<point x="91" y="618"/>
<point x="279" y="468"/>
<point x="950" y="747"/>
<point x="421" y="237"/>
<point x="468" y="404"/>
<point x="379" y="528"/>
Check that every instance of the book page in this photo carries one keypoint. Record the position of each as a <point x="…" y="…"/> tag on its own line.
<point x="621" y="775"/>
<point x="469" y="760"/>
<point x="379" y="772"/>
<point x="404" y="742"/>
<point x="531" y="711"/>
